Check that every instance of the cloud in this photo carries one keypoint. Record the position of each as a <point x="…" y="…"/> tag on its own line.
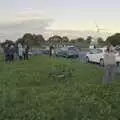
<point x="27" y="24"/>
<point x="30" y="21"/>
<point x="31" y="14"/>
<point x="35" y="21"/>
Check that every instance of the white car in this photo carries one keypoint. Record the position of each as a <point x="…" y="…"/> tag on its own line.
<point x="97" y="56"/>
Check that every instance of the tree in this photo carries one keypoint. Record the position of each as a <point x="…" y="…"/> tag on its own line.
<point x="9" y="42"/>
<point x="20" y="40"/>
<point x="31" y="40"/>
<point x="55" y="39"/>
<point x="100" y="40"/>
<point x="89" y="39"/>
<point x="114" y="39"/>
<point x="38" y="39"/>
<point x="28" y="38"/>
<point x="72" y="40"/>
<point x="80" y="39"/>
<point x="65" y="39"/>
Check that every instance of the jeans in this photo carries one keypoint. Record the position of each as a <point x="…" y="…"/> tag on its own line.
<point x="109" y="73"/>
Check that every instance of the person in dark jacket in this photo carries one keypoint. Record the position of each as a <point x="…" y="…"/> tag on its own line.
<point x="51" y="48"/>
<point x="11" y="53"/>
<point x="6" y="52"/>
<point x="26" y="51"/>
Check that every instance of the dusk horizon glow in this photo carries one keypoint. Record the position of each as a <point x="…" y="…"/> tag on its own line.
<point x="75" y="15"/>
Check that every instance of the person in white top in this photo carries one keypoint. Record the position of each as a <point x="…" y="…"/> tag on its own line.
<point x="20" y="51"/>
<point x="109" y="64"/>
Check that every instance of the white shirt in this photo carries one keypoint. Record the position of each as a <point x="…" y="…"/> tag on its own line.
<point x="20" y="50"/>
<point x="109" y="58"/>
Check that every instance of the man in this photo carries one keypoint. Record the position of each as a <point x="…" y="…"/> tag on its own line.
<point x="26" y="51"/>
<point x="51" y="50"/>
<point x="110" y="47"/>
<point x="11" y="52"/>
<point x="109" y="64"/>
<point x="6" y="52"/>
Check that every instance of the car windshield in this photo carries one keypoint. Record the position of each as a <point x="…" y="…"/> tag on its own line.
<point x="72" y="48"/>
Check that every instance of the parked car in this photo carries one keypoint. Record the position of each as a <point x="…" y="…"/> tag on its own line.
<point x="117" y="48"/>
<point x="30" y="53"/>
<point x="97" y="56"/>
<point x="67" y="52"/>
<point x="36" y="52"/>
<point x="46" y="50"/>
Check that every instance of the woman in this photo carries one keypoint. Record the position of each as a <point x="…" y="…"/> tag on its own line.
<point x="109" y="64"/>
<point x="20" y="51"/>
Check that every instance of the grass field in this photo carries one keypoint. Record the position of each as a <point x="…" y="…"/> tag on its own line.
<point x="46" y="88"/>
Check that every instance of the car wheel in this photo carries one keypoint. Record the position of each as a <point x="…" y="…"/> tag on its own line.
<point x="87" y="60"/>
<point x="101" y="62"/>
<point x="77" y="56"/>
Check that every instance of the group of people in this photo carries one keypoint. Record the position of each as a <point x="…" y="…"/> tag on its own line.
<point x="19" y="51"/>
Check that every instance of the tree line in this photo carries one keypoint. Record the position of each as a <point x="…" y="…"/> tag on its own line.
<point x="39" y="40"/>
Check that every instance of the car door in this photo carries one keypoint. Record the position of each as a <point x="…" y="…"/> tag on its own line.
<point x="64" y="51"/>
<point x="92" y="55"/>
<point x="98" y="55"/>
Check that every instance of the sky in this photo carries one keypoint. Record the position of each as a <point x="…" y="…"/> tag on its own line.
<point x="20" y="16"/>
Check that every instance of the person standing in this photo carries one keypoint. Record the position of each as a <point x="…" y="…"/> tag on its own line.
<point x="16" y="52"/>
<point x="109" y="65"/>
<point x="11" y="53"/>
<point x="26" y="51"/>
<point x="20" y="51"/>
<point x="51" y="50"/>
<point x="94" y="46"/>
<point x="6" y="53"/>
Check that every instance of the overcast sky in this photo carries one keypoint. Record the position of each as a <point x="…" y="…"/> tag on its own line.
<point x="19" y="16"/>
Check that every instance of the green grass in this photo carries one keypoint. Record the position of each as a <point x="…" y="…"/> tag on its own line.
<point x="34" y="90"/>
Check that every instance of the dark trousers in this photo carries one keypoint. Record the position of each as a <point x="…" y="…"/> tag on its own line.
<point x="109" y="73"/>
<point x="6" y="57"/>
<point x="11" y="57"/>
<point x="25" y="56"/>
<point x="50" y="52"/>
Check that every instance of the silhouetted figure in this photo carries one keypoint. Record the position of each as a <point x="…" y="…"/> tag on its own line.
<point x="94" y="46"/>
<point x="6" y="52"/>
<point x="26" y="52"/>
<point x="51" y="49"/>
<point x="11" y="53"/>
